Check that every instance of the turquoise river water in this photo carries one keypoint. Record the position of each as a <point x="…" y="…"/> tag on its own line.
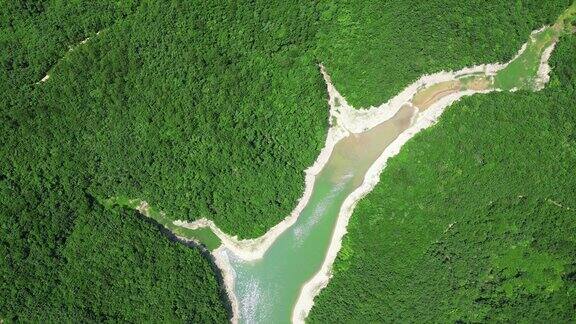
<point x="267" y="289"/>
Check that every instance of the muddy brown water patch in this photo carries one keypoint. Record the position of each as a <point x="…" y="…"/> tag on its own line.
<point x="423" y="99"/>
<point x="357" y="152"/>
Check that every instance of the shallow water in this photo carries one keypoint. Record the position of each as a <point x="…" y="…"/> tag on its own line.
<point x="267" y="289"/>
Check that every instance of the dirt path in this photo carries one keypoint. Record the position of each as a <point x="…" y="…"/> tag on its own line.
<point x="70" y="49"/>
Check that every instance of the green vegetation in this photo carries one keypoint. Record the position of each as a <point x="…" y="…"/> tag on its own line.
<point x="525" y="66"/>
<point x="202" y="109"/>
<point x="568" y="18"/>
<point x="474" y="221"/>
<point x="184" y="129"/>
<point x="34" y="35"/>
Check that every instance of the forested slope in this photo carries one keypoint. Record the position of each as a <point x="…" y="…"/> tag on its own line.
<point x="204" y="115"/>
<point x="474" y="220"/>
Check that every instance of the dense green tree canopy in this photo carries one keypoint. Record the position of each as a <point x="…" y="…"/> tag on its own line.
<point x="204" y="109"/>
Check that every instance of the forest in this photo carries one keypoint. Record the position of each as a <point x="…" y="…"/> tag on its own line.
<point x="478" y="209"/>
<point x="203" y="110"/>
